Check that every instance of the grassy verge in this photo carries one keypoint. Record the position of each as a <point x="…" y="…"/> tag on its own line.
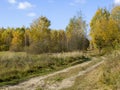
<point x="16" y="67"/>
<point x="58" y="78"/>
<point x="71" y="72"/>
<point x="105" y="77"/>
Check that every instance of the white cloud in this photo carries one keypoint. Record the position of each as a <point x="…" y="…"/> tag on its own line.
<point x="75" y="2"/>
<point x="24" y="5"/>
<point x="32" y="14"/>
<point x="12" y="1"/>
<point x="117" y="2"/>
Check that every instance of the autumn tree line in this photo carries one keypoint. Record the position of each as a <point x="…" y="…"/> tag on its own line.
<point x="105" y="28"/>
<point x="39" y="38"/>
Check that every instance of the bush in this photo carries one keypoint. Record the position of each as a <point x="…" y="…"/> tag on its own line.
<point x="16" y="48"/>
<point x="4" y="48"/>
<point x="37" y="48"/>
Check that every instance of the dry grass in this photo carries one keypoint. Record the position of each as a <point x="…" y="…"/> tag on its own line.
<point x="68" y="54"/>
<point x="15" y="67"/>
<point x="59" y="78"/>
<point x="105" y="77"/>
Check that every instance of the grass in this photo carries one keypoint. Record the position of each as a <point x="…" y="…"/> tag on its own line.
<point x="16" y="67"/>
<point x="104" y="77"/>
<point x="72" y="72"/>
<point x="56" y="79"/>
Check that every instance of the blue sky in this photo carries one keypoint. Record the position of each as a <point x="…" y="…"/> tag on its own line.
<point x="16" y="13"/>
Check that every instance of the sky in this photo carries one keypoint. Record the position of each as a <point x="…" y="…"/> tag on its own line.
<point x="18" y="13"/>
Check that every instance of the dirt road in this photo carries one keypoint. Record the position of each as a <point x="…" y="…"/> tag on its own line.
<point x="34" y="83"/>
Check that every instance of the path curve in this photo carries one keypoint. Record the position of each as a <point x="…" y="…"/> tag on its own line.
<point x="35" y="82"/>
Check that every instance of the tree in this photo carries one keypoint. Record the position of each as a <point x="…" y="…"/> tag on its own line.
<point x="104" y="30"/>
<point x="98" y="28"/>
<point x="2" y="47"/>
<point x="17" y="40"/>
<point x="115" y="14"/>
<point x="62" y="41"/>
<point x="27" y="37"/>
<point x="54" y="41"/>
<point x="7" y="38"/>
<point x="40" y="35"/>
<point x="76" y="35"/>
<point x="113" y="34"/>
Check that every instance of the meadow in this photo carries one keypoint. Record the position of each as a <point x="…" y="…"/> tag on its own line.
<point x="19" y="66"/>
